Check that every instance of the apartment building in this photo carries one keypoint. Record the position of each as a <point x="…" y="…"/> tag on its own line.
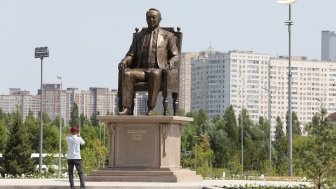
<point x="51" y="103"/>
<point x="245" y="79"/>
<point x="60" y="102"/>
<point x="234" y="78"/>
<point x="99" y="101"/>
<point x="248" y="77"/>
<point x="328" y="46"/>
<point x="199" y="80"/>
<point x="185" y="80"/>
<point x="140" y="103"/>
<point x="21" y="100"/>
<point x="313" y="87"/>
<point x="69" y="97"/>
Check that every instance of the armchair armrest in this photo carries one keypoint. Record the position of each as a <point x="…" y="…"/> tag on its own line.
<point x="171" y="79"/>
<point x="120" y="76"/>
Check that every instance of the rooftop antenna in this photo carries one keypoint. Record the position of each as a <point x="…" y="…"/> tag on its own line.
<point x="210" y="49"/>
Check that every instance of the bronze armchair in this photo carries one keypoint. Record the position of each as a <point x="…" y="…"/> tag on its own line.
<point x="169" y="83"/>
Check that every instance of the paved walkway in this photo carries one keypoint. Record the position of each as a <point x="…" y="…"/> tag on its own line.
<point x="206" y="184"/>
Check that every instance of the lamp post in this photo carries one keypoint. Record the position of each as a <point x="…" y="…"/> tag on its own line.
<point x="241" y="136"/>
<point x="321" y="106"/>
<point x="196" y="137"/>
<point x="104" y="128"/>
<point x="321" y="103"/>
<point x="289" y="23"/>
<point x="269" y="122"/>
<point x="60" y="131"/>
<point x="41" y="52"/>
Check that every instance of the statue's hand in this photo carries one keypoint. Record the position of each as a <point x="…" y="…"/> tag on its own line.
<point x="170" y="65"/>
<point x="121" y="66"/>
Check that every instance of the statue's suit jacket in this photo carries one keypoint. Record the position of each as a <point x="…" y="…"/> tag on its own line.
<point x="167" y="50"/>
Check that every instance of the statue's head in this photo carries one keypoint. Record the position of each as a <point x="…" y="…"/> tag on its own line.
<point x="153" y="17"/>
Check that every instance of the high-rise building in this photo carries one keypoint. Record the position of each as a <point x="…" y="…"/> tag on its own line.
<point x="20" y="100"/>
<point x="56" y="102"/>
<point x="93" y="101"/>
<point x="234" y="78"/>
<point x="313" y="87"/>
<point x="70" y="96"/>
<point x="140" y="103"/>
<point x="245" y="79"/>
<point x="100" y="100"/>
<point x="14" y="90"/>
<point x="185" y="80"/>
<point x="51" y="102"/>
<point x="199" y="80"/>
<point x="328" y="46"/>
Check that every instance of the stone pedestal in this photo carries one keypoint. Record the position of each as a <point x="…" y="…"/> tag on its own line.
<point x="144" y="148"/>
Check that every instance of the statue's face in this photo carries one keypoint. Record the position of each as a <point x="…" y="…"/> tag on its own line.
<point x="153" y="19"/>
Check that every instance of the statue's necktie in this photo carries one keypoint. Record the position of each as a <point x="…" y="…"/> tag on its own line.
<point x="152" y="50"/>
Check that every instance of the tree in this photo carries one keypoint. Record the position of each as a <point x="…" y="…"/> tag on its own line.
<point x="188" y="142"/>
<point x="45" y="117"/>
<point x="3" y="132"/>
<point x="320" y="153"/>
<point x="18" y="150"/>
<point x="255" y="145"/>
<point x="267" y="165"/>
<point x="230" y="125"/>
<point x="201" y="122"/>
<point x="255" y="148"/>
<point x="33" y="126"/>
<point x="279" y="129"/>
<point x="204" y="156"/>
<point x="220" y="144"/>
<point x="300" y="145"/>
<point x="83" y="121"/>
<point x="296" y="131"/>
<point x="93" y="152"/>
<point x="188" y="137"/>
<point x="94" y="120"/>
<point x="74" y="116"/>
<point x="50" y="138"/>
<point x="281" y="147"/>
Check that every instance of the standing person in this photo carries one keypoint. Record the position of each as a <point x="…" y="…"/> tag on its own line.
<point x="74" y="157"/>
<point x="152" y="50"/>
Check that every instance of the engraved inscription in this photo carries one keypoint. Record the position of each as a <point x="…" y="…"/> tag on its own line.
<point x="136" y="135"/>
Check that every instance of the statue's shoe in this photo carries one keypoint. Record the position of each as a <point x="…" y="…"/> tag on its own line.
<point x="150" y="112"/>
<point x="125" y="111"/>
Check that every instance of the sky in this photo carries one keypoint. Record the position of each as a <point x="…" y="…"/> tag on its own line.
<point x="88" y="38"/>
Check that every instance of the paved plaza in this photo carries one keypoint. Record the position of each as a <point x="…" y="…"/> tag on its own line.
<point x="205" y="184"/>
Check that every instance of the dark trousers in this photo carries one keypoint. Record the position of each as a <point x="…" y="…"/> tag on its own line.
<point x="152" y="75"/>
<point x="78" y="164"/>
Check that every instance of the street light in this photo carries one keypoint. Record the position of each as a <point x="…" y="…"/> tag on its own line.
<point x="242" y="137"/>
<point x="60" y="131"/>
<point x="41" y="52"/>
<point x="289" y="23"/>
<point x="321" y="103"/>
<point x="196" y="137"/>
<point x="269" y="122"/>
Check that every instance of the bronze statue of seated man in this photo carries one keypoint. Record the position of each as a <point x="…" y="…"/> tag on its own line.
<point x="151" y="51"/>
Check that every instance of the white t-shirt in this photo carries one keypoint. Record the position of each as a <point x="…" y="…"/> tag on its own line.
<point x="74" y="143"/>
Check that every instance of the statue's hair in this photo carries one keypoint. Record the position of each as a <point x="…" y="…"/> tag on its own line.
<point x="153" y="9"/>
